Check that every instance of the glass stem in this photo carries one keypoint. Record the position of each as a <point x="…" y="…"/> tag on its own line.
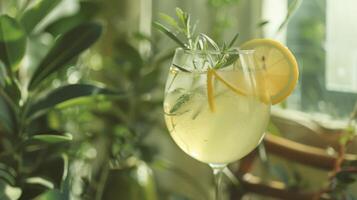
<point x="218" y="174"/>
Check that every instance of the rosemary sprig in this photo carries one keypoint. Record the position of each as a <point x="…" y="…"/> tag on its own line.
<point x="182" y="100"/>
<point x="184" y="34"/>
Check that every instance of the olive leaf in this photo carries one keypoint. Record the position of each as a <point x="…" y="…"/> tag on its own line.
<point x="67" y="47"/>
<point x="66" y="93"/>
<point x="8" y="192"/>
<point x="7" y="174"/>
<point x="130" y="54"/>
<point x="52" y="139"/>
<point x="7" y="115"/>
<point x="12" y="43"/>
<point x="87" y="11"/>
<point x="36" y="13"/>
<point x="52" y="195"/>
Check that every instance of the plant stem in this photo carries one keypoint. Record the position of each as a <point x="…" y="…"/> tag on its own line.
<point x="102" y="181"/>
<point x="8" y="99"/>
<point x="338" y="167"/>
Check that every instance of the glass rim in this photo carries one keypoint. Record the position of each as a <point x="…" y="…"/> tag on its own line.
<point x="234" y="51"/>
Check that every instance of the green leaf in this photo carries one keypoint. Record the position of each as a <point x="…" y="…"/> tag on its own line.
<point x="136" y="182"/>
<point x="7" y="116"/>
<point x="345" y="177"/>
<point x="262" y="23"/>
<point x="231" y="59"/>
<point x="182" y="100"/>
<point x="7" y="174"/>
<point x="181" y="68"/>
<point x="3" y="75"/>
<point x="40" y="181"/>
<point x="149" y="81"/>
<point x="9" y="86"/>
<point x="210" y="41"/>
<point x="36" y="13"/>
<point x="67" y="47"/>
<point x="8" y="192"/>
<point x="52" y="139"/>
<point x="293" y="7"/>
<point x="166" y="31"/>
<point x="52" y="195"/>
<point x="233" y="41"/>
<point x="51" y="170"/>
<point x="12" y="42"/>
<point x="169" y="20"/>
<point x="128" y="53"/>
<point x="181" y="15"/>
<point x="4" y="175"/>
<point x="66" y="93"/>
<point x="13" y="91"/>
<point x="87" y="11"/>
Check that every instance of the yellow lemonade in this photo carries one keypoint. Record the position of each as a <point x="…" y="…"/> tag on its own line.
<point x="233" y="130"/>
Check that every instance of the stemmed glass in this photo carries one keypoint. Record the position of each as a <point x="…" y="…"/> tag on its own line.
<point x="216" y="106"/>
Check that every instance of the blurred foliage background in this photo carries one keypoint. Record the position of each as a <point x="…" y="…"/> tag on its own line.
<point x="82" y="84"/>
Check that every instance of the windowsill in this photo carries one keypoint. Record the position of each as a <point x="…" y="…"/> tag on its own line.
<point x="322" y="120"/>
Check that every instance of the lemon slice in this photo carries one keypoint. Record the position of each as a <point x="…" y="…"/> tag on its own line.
<point x="280" y="64"/>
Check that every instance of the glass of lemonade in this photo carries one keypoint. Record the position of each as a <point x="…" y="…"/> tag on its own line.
<point x="216" y="105"/>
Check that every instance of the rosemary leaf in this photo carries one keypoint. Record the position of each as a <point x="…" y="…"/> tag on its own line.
<point x="210" y="41"/>
<point x="198" y="111"/>
<point x="233" y="41"/>
<point x="182" y="100"/>
<point x="166" y="31"/>
<point x="169" y="20"/>
<point x="181" y="16"/>
<point x="293" y="6"/>
<point x="181" y="68"/>
<point x="231" y="59"/>
<point x="200" y="44"/>
<point x="224" y="46"/>
<point x="176" y="114"/>
<point x="262" y="23"/>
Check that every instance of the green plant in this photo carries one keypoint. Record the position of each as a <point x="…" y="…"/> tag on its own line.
<point x="344" y="173"/>
<point x="116" y="130"/>
<point x="33" y="154"/>
<point x="109" y="146"/>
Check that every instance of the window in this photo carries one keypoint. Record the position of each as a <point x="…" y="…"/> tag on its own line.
<point x="322" y="34"/>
